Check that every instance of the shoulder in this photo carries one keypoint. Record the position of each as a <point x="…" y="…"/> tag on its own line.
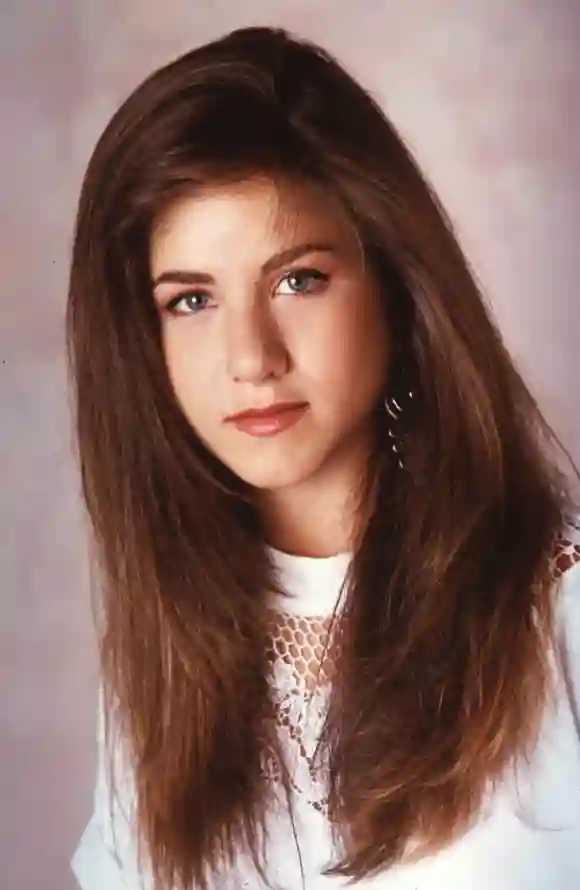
<point x="566" y="573"/>
<point x="566" y="554"/>
<point x="565" y="563"/>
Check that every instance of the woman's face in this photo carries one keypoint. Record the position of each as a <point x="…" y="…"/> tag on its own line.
<point x="263" y="299"/>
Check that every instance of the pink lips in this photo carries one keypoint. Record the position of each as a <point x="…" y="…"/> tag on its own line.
<point x="269" y="421"/>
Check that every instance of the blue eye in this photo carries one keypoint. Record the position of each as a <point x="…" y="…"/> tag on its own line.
<point x="187" y="299"/>
<point x="300" y="280"/>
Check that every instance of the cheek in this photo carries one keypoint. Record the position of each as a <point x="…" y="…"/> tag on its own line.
<point x="369" y="337"/>
<point x="185" y="369"/>
<point x="348" y="350"/>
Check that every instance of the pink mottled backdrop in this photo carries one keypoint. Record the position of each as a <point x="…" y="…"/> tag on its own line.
<point x="486" y="92"/>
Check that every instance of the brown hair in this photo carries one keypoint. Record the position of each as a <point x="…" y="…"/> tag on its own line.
<point x="441" y="672"/>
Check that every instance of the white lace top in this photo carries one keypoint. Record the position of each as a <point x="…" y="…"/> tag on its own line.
<point x="506" y="850"/>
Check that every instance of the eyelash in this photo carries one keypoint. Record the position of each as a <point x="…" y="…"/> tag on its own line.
<point x="315" y="274"/>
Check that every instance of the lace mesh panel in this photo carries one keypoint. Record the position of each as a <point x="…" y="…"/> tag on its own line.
<point x="299" y="642"/>
<point x="301" y="677"/>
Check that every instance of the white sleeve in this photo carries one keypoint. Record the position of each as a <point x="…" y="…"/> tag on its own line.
<point x="105" y="858"/>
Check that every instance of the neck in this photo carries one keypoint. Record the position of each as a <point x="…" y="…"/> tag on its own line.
<point x="307" y="525"/>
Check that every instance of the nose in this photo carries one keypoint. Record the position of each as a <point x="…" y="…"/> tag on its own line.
<point x="255" y="349"/>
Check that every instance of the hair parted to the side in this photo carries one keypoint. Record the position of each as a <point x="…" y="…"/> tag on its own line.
<point x="441" y="674"/>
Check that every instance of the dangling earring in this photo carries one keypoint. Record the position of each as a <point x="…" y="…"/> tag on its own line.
<point x="395" y="410"/>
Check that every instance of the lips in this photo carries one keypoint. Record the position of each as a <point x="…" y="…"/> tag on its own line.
<point x="270" y="421"/>
<point x="267" y="413"/>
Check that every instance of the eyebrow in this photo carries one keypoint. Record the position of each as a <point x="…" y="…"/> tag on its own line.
<point x="182" y="276"/>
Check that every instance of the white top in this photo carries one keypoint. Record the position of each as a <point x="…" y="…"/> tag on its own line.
<point x="527" y="838"/>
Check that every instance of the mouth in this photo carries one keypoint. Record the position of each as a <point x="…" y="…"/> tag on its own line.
<point x="265" y="413"/>
<point x="269" y="421"/>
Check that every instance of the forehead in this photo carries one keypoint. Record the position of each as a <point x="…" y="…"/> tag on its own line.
<point x="249" y="221"/>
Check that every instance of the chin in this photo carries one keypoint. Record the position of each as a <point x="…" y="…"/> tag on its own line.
<point x="269" y="477"/>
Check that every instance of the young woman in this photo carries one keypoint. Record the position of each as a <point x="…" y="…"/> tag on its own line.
<point x="340" y="598"/>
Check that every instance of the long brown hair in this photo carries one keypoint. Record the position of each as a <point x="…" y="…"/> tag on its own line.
<point x="441" y="672"/>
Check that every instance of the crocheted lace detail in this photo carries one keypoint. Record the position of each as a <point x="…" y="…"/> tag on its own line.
<point x="566" y="554"/>
<point x="301" y="675"/>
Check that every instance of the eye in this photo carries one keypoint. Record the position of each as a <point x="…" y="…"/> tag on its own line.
<point x="190" y="303"/>
<point x="305" y="281"/>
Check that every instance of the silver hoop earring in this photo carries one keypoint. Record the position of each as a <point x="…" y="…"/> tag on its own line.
<point x="394" y="410"/>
